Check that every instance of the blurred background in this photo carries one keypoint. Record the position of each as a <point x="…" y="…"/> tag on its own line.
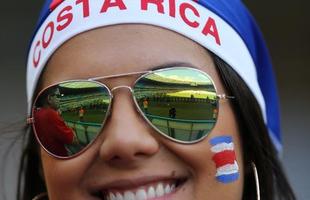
<point x="285" y="25"/>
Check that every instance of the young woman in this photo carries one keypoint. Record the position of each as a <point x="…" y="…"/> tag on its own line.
<point x="205" y="60"/>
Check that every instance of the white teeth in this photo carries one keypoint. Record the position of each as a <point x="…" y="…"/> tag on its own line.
<point x="167" y="189"/>
<point x="172" y="187"/>
<point x="143" y="194"/>
<point x="119" y="196"/>
<point x="160" y="190"/>
<point x="129" y="196"/>
<point x="112" y="196"/>
<point x="151" y="192"/>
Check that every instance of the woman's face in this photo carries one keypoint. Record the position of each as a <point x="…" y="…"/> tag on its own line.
<point x="129" y="157"/>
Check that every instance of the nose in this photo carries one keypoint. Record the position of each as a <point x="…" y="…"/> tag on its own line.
<point x="127" y="137"/>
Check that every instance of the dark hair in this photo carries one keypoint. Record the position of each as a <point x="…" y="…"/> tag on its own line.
<point x="256" y="143"/>
<point x="257" y="147"/>
<point x="30" y="177"/>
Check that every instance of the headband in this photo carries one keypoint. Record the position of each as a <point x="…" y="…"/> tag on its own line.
<point x="224" y="27"/>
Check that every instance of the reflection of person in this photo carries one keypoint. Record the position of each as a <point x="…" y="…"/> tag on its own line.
<point x="172" y="112"/>
<point x="126" y="159"/>
<point x="81" y="114"/>
<point x="215" y="113"/>
<point x="145" y="105"/>
<point x="54" y="133"/>
<point x="54" y="130"/>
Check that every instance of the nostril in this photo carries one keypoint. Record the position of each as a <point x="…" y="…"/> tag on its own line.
<point x="134" y="157"/>
<point x="118" y="152"/>
<point x="116" y="158"/>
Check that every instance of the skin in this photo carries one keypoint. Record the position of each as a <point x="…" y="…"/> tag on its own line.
<point x="144" y="153"/>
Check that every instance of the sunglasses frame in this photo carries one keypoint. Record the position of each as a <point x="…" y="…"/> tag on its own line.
<point x="30" y="120"/>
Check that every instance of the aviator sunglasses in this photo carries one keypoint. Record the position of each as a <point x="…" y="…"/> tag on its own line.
<point x="180" y="103"/>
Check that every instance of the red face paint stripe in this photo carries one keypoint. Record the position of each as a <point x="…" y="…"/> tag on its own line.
<point x="224" y="158"/>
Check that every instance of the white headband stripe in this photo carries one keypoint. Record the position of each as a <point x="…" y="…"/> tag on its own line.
<point x="182" y="16"/>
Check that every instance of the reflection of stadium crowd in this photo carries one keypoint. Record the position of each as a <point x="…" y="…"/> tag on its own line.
<point x="168" y="99"/>
<point x="74" y="103"/>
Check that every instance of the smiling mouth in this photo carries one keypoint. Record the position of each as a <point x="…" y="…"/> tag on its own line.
<point x="150" y="191"/>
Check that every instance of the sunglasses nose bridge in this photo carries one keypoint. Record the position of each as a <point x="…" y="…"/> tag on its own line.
<point x="122" y="87"/>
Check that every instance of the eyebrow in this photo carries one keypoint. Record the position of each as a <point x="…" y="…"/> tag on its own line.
<point x="173" y="64"/>
<point x="161" y="66"/>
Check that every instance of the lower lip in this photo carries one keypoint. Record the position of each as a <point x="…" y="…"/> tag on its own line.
<point x="166" y="197"/>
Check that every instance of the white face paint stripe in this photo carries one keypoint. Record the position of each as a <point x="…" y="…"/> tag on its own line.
<point x="185" y="17"/>
<point x="222" y="147"/>
<point x="227" y="169"/>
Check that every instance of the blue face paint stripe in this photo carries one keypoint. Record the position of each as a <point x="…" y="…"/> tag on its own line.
<point x="229" y="178"/>
<point x="220" y="139"/>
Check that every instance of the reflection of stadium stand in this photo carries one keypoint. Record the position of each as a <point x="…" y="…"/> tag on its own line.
<point x="72" y="102"/>
<point x="85" y="131"/>
<point x="171" y="83"/>
<point x="72" y="98"/>
<point x="175" y="89"/>
<point x="183" y="129"/>
<point x="158" y="78"/>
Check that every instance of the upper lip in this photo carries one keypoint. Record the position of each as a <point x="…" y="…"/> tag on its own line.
<point x="130" y="183"/>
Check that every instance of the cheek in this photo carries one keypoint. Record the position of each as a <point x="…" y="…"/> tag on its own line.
<point x="197" y="157"/>
<point x="216" y="163"/>
<point x="200" y="156"/>
<point x="71" y="172"/>
<point x="213" y="169"/>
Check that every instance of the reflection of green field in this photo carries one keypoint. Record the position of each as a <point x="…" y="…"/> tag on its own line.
<point x="182" y="130"/>
<point x="85" y="132"/>
<point x="93" y="116"/>
<point x="183" y="127"/>
<point x="184" y="110"/>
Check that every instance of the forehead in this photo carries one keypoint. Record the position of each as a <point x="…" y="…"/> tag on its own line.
<point x="121" y="49"/>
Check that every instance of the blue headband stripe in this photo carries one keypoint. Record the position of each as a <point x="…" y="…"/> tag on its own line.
<point x="236" y="14"/>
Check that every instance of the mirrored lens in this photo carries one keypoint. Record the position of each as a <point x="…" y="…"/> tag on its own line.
<point x="69" y="116"/>
<point x="180" y="102"/>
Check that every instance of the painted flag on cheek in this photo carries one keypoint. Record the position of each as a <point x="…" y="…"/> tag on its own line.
<point x="227" y="170"/>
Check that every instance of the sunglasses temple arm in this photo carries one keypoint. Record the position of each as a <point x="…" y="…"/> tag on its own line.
<point x="224" y="96"/>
